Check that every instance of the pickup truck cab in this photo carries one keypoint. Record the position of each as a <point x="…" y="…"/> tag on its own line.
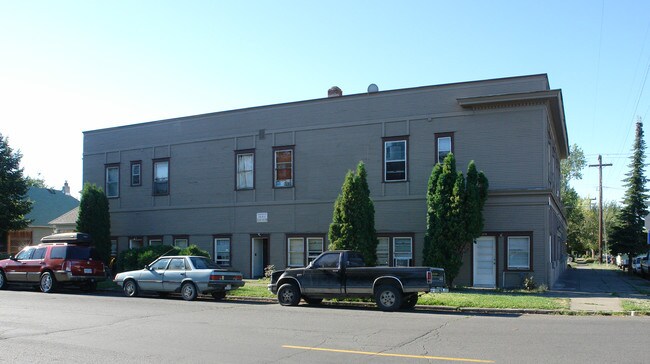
<point x="343" y="274"/>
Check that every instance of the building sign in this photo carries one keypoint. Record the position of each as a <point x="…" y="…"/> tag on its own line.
<point x="262" y="217"/>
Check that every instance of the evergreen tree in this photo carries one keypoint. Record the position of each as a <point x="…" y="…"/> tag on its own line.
<point x="353" y="220"/>
<point x="628" y="235"/>
<point x="454" y="215"/>
<point x="94" y="218"/>
<point x="14" y="204"/>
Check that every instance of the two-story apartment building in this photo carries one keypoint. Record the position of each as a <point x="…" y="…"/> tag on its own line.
<point x="257" y="186"/>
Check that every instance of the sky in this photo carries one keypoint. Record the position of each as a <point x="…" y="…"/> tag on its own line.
<point x="73" y="66"/>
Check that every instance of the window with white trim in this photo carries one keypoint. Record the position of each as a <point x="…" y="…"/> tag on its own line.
<point x="136" y="173"/>
<point x="383" y="251"/>
<point x="181" y="242"/>
<point x="161" y="177"/>
<point x="245" y="171"/>
<point x="395" y="160"/>
<point x="518" y="252"/>
<point x="135" y="243"/>
<point x="314" y="248"/>
<point x="283" y="167"/>
<point x="402" y="251"/>
<point x="112" y="181"/>
<point x="443" y="147"/>
<point x="222" y="251"/>
<point x="296" y="252"/>
<point x="155" y="241"/>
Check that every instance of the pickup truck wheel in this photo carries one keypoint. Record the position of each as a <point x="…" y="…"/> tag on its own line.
<point x="289" y="295"/>
<point x="409" y="302"/>
<point x="313" y="301"/>
<point x="130" y="288"/>
<point x="3" y="280"/>
<point x="218" y="295"/>
<point x="388" y="298"/>
<point x="48" y="282"/>
<point x="188" y="291"/>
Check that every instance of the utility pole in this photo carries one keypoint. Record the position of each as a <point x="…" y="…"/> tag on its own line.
<point x="600" y="166"/>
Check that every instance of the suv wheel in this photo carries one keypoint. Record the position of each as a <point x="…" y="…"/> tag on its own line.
<point x="48" y="282"/>
<point x="188" y="291"/>
<point x="3" y="280"/>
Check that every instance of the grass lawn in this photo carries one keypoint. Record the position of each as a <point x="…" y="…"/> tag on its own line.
<point x="464" y="298"/>
<point x="638" y="305"/>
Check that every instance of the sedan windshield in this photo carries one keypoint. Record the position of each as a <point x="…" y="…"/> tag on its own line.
<point x="203" y="263"/>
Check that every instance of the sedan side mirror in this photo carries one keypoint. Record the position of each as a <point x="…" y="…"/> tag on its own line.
<point x="12" y="257"/>
<point x="146" y="266"/>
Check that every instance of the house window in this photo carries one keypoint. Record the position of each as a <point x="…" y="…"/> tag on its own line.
<point x="402" y="252"/>
<point x="283" y="167"/>
<point x="395" y="251"/>
<point x="181" y="242"/>
<point x="155" y="241"/>
<point x="444" y="145"/>
<point x="113" y="247"/>
<point x="161" y="177"/>
<point x="136" y="173"/>
<point x="112" y="181"/>
<point x="296" y="252"/>
<point x="314" y="248"/>
<point x="222" y="251"/>
<point x="135" y="243"/>
<point x="245" y="171"/>
<point x="395" y="160"/>
<point x="383" y="251"/>
<point x="518" y="249"/>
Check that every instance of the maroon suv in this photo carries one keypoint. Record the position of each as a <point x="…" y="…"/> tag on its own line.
<point x="60" y="259"/>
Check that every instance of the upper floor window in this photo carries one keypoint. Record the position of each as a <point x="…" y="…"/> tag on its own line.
<point x="112" y="181"/>
<point x="395" y="159"/>
<point x="444" y="145"/>
<point x="136" y="173"/>
<point x="161" y="177"/>
<point x="245" y="170"/>
<point x="283" y="167"/>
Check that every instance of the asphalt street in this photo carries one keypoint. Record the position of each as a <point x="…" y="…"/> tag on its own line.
<point x="82" y="328"/>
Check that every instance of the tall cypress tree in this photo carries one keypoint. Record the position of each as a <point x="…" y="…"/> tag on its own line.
<point x="94" y="218"/>
<point x="14" y="204"/>
<point x="628" y="236"/>
<point x="353" y="220"/>
<point x="454" y="214"/>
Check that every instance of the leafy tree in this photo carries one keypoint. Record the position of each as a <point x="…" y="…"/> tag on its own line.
<point x="14" y="204"/>
<point x="94" y="219"/>
<point x="454" y="214"/>
<point x="628" y="235"/>
<point x="570" y="169"/>
<point x="353" y="220"/>
<point x="36" y="182"/>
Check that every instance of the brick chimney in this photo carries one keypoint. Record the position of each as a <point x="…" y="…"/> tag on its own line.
<point x="334" y="91"/>
<point x="66" y="189"/>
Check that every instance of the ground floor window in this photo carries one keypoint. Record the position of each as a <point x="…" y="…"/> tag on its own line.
<point x="222" y="251"/>
<point x="135" y="243"/>
<point x="302" y="250"/>
<point x="113" y="247"/>
<point x="155" y="241"/>
<point x="518" y="250"/>
<point x="395" y="251"/>
<point x="181" y="242"/>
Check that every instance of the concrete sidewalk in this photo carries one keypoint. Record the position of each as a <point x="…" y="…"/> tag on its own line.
<point x="593" y="289"/>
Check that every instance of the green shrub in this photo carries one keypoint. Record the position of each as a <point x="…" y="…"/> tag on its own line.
<point x="133" y="259"/>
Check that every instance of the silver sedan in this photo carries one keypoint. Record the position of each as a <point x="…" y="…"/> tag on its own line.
<point x="187" y="275"/>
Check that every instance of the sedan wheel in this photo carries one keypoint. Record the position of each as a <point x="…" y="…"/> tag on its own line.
<point x="188" y="291"/>
<point x="3" y="280"/>
<point x="48" y="282"/>
<point x="130" y="288"/>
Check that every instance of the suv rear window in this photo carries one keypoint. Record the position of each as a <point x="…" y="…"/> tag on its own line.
<point x="74" y="253"/>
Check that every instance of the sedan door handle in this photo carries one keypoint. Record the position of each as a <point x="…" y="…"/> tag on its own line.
<point x="182" y="274"/>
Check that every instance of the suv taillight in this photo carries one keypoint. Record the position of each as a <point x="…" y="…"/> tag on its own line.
<point x="429" y="277"/>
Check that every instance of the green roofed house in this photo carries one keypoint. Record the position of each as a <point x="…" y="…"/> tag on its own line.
<point x="49" y="204"/>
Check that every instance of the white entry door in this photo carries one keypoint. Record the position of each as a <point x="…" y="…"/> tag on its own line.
<point x="485" y="262"/>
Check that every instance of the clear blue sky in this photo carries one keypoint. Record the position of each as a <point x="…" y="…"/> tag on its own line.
<point x="71" y="66"/>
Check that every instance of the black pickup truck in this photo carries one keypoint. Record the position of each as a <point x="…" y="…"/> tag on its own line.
<point x="341" y="274"/>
